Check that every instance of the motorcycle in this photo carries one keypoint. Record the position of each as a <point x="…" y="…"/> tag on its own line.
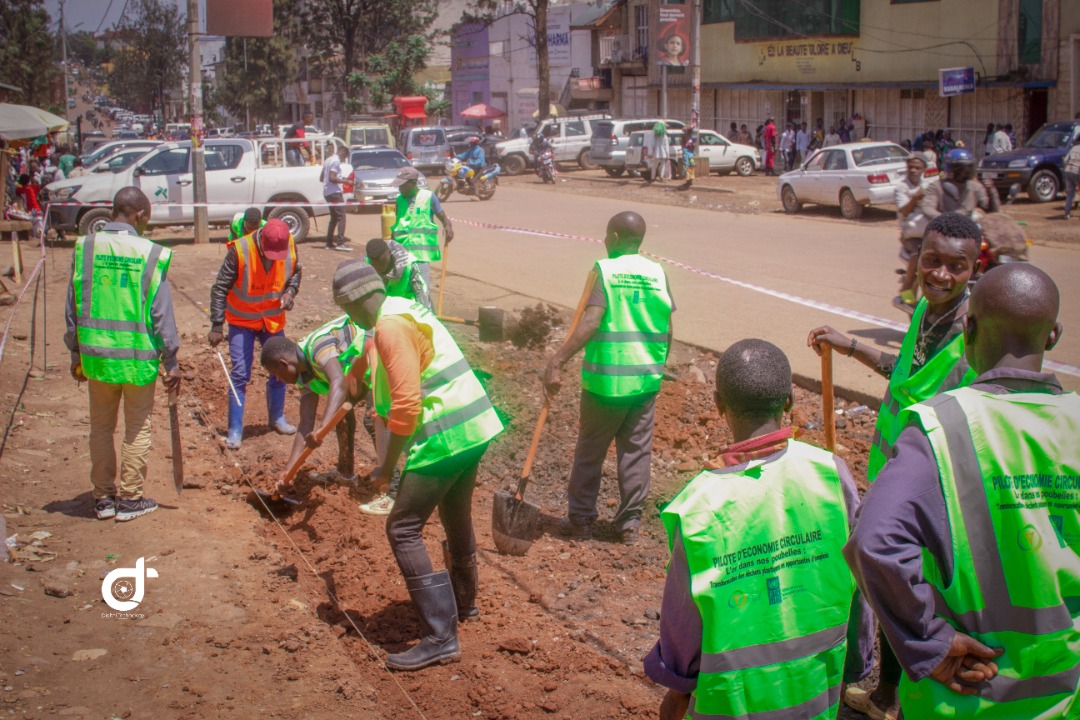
<point x="545" y="166"/>
<point x="483" y="187"/>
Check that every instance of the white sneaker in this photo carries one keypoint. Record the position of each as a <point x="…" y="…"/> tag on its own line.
<point x="381" y="505"/>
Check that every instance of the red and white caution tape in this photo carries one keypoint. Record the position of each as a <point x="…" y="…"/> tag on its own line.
<point x="797" y="299"/>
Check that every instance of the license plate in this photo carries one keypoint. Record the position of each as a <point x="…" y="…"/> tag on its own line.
<point x="991" y="175"/>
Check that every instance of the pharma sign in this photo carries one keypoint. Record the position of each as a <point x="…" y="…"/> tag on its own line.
<point x="558" y="36"/>
<point x="956" y="81"/>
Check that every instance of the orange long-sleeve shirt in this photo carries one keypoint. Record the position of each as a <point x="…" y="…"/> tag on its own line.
<point x="404" y="350"/>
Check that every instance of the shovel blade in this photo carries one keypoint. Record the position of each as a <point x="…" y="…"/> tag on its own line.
<point x="513" y="524"/>
<point x="280" y="505"/>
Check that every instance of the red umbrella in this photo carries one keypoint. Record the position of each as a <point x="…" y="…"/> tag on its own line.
<point x="482" y="112"/>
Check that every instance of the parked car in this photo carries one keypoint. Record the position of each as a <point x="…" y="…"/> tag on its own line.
<point x="852" y="175"/>
<point x="239" y="174"/>
<point x="365" y="132"/>
<point x="723" y="155"/>
<point x="570" y="137"/>
<point x="607" y="147"/>
<point x="374" y="172"/>
<point x="121" y="159"/>
<point x="426" y="147"/>
<point x="1039" y="165"/>
<point x="110" y="148"/>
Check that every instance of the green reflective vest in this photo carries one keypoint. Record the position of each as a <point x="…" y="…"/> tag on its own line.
<point x="415" y="226"/>
<point x="349" y="339"/>
<point x="626" y="354"/>
<point x="457" y="414"/>
<point x="1010" y="474"/>
<point x="763" y="546"/>
<point x="115" y="278"/>
<point x="236" y="227"/>
<point x="401" y="285"/>
<point x="946" y="370"/>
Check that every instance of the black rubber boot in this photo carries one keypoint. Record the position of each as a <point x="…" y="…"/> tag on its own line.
<point x="433" y="597"/>
<point x="464" y="578"/>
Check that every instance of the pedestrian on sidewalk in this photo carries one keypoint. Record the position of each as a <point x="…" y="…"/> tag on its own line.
<point x="768" y="141"/>
<point x="415" y="228"/>
<point x="1072" y="177"/>
<point x="787" y="146"/>
<point x="626" y="331"/>
<point x="439" y="415"/>
<point x="657" y="153"/>
<point x="791" y="654"/>
<point x="802" y="144"/>
<point x="121" y="331"/>
<point x="333" y="193"/>
<point x="964" y="546"/>
<point x="255" y="288"/>
<point x="931" y="361"/>
<point x="913" y="222"/>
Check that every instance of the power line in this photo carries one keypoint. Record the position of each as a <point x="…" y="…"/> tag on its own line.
<point x="105" y="16"/>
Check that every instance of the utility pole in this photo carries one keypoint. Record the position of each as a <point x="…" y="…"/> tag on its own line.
<point x="63" y="46"/>
<point x="198" y="156"/>
<point x="695" y="65"/>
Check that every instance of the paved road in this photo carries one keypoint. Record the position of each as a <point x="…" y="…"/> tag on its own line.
<point x="823" y="261"/>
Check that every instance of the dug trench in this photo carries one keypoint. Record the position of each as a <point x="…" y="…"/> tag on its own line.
<point x="561" y="631"/>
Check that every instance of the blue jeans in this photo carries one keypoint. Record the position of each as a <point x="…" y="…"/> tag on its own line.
<point x="241" y="353"/>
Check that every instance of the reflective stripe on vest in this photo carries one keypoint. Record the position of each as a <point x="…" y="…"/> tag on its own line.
<point x="763" y="547"/>
<point x="349" y="339"/>
<point x="946" y="370"/>
<point x="115" y="280"/>
<point x="1010" y="473"/>
<point x="254" y="300"/>
<point x="456" y="414"/>
<point x="626" y="354"/>
<point x="415" y="227"/>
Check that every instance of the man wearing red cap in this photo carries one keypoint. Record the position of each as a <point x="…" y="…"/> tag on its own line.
<point x="255" y="287"/>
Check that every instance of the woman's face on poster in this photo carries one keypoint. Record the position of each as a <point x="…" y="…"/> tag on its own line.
<point x="674" y="47"/>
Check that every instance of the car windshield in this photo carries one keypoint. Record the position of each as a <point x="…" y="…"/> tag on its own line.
<point x="377" y="161"/>
<point x="428" y="138"/>
<point x="1051" y="137"/>
<point x="878" y="155"/>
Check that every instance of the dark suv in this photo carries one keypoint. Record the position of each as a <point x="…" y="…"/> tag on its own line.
<point x="1039" y="165"/>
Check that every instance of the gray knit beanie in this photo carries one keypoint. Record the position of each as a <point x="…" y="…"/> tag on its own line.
<point x="355" y="280"/>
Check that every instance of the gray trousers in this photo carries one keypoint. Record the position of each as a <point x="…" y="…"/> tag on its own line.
<point x="631" y="427"/>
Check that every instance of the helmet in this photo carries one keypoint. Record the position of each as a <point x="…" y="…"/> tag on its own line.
<point x="959" y="156"/>
<point x="473" y="140"/>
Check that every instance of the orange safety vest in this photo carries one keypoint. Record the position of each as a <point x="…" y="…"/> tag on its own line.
<point x="255" y="299"/>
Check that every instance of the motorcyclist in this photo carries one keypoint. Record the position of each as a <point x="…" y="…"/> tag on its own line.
<point x="473" y="159"/>
<point x="960" y="191"/>
<point x="539" y="145"/>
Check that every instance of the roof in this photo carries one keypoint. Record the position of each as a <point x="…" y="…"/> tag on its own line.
<point x="595" y="15"/>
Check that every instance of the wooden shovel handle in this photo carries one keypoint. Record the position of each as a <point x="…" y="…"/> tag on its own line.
<point x="442" y="276"/>
<point x="828" y="409"/>
<point x="334" y="420"/>
<point x="578" y="312"/>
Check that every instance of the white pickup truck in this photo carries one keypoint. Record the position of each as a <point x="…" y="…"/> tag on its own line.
<point x="239" y="174"/>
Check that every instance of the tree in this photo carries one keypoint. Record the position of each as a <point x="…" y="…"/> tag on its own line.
<point x="390" y="73"/>
<point x="28" y="54"/>
<point x="256" y="81"/>
<point x="82" y="47"/>
<point x="537" y="12"/>
<point x="153" y="51"/>
<point x="344" y="36"/>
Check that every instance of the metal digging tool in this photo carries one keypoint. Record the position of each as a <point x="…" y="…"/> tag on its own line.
<point x="495" y="324"/>
<point x="280" y="502"/>
<point x="514" y="521"/>
<point x="177" y="451"/>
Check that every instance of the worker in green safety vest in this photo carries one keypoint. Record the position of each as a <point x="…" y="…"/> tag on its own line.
<point x="417" y="209"/>
<point x="968" y="544"/>
<point x="626" y="331"/>
<point x="321" y="364"/>
<point x="399" y="270"/>
<point x="245" y="223"/>
<point x="931" y="360"/>
<point x="120" y="331"/>
<point x="759" y="615"/>
<point x="440" y="417"/>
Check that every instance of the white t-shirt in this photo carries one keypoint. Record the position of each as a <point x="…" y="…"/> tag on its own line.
<point x="802" y="141"/>
<point x="914" y="225"/>
<point x="787" y="140"/>
<point x="332" y="164"/>
<point x="1001" y="142"/>
<point x="831" y="139"/>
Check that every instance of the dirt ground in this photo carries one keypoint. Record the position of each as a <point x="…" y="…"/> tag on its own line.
<point x="250" y="617"/>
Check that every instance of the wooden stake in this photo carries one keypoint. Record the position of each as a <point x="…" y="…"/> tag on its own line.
<point x="828" y="408"/>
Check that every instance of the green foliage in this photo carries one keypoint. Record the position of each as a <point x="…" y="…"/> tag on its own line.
<point x="82" y="48"/>
<point x="391" y="72"/>
<point x="211" y="102"/>
<point x="28" y="54"/>
<point x="259" y="84"/>
<point x="152" y="52"/>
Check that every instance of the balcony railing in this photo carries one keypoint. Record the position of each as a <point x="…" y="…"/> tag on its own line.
<point x="615" y="49"/>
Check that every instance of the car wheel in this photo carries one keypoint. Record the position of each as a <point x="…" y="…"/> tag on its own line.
<point x="744" y="166"/>
<point x="790" y="200"/>
<point x="584" y="159"/>
<point x="614" y="172"/>
<point x="442" y="190"/>
<point x="849" y="206"/>
<point x="1043" y="186"/>
<point x="94" y="221"/>
<point x="513" y="165"/>
<point x="295" y="218"/>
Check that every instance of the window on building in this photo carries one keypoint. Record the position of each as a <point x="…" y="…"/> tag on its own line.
<point x="766" y="19"/>
<point x="1029" y="43"/>
<point x="718" y="11"/>
<point x="641" y="31"/>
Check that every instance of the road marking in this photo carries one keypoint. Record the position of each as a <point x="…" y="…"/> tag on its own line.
<point x="797" y="299"/>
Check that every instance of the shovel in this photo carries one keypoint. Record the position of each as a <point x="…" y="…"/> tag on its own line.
<point x="514" y="521"/>
<point x="177" y="448"/>
<point x="274" y="500"/>
<point x="828" y="406"/>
